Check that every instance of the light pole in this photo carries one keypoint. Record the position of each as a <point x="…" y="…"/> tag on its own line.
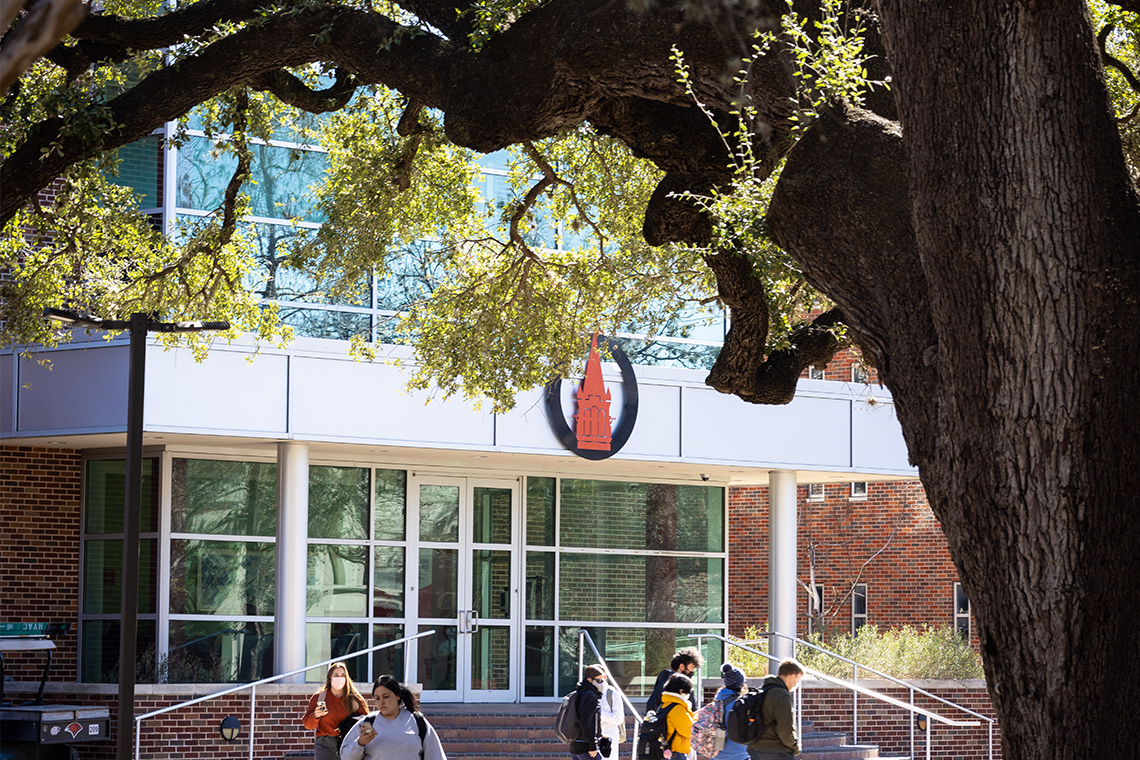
<point x="138" y="325"/>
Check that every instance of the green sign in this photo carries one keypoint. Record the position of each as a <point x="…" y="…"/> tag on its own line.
<point x="33" y="629"/>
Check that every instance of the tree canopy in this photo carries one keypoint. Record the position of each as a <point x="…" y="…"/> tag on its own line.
<point x="975" y="225"/>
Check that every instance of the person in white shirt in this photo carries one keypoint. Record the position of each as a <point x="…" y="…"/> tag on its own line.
<point x="613" y="715"/>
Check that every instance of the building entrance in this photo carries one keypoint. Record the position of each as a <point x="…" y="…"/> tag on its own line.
<point x="465" y="587"/>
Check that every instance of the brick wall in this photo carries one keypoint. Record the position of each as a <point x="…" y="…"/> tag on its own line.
<point x="890" y="541"/>
<point x="829" y="708"/>
<point x="39" y="551"/>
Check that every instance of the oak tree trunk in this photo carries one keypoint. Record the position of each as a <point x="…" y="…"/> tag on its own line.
<point x="1008" y="338"/>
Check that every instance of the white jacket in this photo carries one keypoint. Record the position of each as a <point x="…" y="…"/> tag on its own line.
<point x="613" y="716"/>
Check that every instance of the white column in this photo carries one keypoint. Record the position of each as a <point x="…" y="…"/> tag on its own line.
<point x="292" y="557"/>
<point x="782" y="591"/>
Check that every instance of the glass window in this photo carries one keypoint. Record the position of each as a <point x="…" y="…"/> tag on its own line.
<point x="540" y="585"/>
<point x="337" y="581"/>
<point x="335" y="641"/>
<point x="387" y="661"/>
<point x="439" y="583"/>
<point x="539" y="661"/>
<point x="491" y="515"/>
<point x="105" y="496"/>
<point x="222" y="577"/>
<point x="439" y="513"/>
<point x="219" y="651"/>
<point x="338" y="502"/>
<point x="540" y="511"/>
<point x="491" y="583"/>
<point x="635" y="655"/>
<point x="103" y="577"/>
<point x="858" y="606"/>
<point x="612" y="587"/>
<point x="859" y="490"/>
<point x="437" y="659"/>
<point x="961" y="611"/>
<point x="654" y="516"/>
<point x="279" y="186"/>
<point x="224" y="498"/>
<point x="391" y="501"/>
<point x="388" y="580"/>
<point x="140" y="165"/>
<point x="329" y="325"/>
<point x="101" y="651"/>
<point x="815" y="492"/>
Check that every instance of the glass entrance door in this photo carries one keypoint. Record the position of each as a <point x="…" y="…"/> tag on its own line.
<point x="466" y="588"/>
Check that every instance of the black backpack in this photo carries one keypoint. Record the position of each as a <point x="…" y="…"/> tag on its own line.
<point x="744" y="723"/>
<point x="566" y="724"/>
<point x="347" y="724"/>
<point x="654" y="739"/>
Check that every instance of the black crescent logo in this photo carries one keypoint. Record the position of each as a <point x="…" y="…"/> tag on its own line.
<point x="562" y="429"/>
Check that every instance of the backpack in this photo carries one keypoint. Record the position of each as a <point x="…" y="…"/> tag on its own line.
<point x="708" y="732"/>
<point x="653" y="740"/>
<point x="566" y="725"/>
<point x="744" y="722"/>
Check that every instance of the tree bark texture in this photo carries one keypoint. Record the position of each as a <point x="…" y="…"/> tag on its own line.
<point x="1003" y="212"/>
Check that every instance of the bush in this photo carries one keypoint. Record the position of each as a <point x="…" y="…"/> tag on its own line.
<point x="907" y="653"/>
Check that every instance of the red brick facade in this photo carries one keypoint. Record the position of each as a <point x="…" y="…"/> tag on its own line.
<point x="888" y="540"/>
<point x="39" y="551"/>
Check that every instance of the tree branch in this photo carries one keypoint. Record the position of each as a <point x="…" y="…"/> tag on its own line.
<point x="291" y="90"/>
<point x="45" y="24"/>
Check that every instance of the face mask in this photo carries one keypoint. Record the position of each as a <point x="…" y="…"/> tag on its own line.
<point x="338" y="682"/>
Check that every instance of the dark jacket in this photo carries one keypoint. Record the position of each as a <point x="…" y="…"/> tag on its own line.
<point x="778" y="715"/>
<point x="663" y="677"/>
<point x="589" y="718"/>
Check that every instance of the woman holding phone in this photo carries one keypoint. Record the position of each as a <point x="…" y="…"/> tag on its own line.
<point x="336" y="702"/>
<point x="396" y="731"/>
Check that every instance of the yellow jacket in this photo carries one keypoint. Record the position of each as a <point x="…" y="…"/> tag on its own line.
<point x="679" y="722"/>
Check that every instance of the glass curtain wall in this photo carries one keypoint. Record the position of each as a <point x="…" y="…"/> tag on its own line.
<point x="180" y="188"/>
<point x="640" y="566"/>
<point x="104" y="494"/>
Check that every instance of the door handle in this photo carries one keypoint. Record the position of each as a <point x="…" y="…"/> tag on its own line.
<point x="473" y="621"/>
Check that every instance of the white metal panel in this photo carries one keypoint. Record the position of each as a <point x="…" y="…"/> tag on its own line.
<point x="878" y="444"/>
<point x="658" y="429"/>
<point x="7" y="394"/>
<point x="526" y="426"/>
<point x="82" y="389"/>
<point x="224" y="393"/>
<point x="810" y="432"/>
<point x="361" y="400"/>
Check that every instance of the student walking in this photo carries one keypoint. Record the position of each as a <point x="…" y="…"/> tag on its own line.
<point x="396" y="731"/>
<point x="336" y="701"/>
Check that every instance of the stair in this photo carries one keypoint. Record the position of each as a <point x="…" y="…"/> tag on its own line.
<point x="489" y="732"/>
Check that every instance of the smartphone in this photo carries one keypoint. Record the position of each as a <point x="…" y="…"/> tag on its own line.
<point x="321" y="699"/>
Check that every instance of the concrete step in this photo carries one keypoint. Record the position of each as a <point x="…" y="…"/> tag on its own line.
<point x="844" y="752"/>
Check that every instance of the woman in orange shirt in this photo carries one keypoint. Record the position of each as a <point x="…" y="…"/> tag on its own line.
<point x="329" y="707"/>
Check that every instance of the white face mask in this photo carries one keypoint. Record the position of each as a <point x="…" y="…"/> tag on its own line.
<point x="338" y="682"/>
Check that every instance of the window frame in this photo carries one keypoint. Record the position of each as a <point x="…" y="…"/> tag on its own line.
<point x="858" y="620"/>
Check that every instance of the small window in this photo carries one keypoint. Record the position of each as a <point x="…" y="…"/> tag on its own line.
<point x="815" y="492"/>
<point x="815" y="373"/>
<point x="814" y="605"/>
<point x="859" y="490"/>
<point x="859" y="374"/>
<point x="858" y="606"/>
<point x="961" y="612"/>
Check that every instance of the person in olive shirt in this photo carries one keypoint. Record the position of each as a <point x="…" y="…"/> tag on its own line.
<point x="780" y="740"/>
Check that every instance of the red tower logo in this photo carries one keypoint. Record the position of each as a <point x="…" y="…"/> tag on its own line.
<point x="592" y="423"/>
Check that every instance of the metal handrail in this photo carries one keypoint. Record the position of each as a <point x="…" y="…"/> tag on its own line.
<point x="583" y="635"/>
<point x="854" y="687"/>
<point x="253" y="688"/>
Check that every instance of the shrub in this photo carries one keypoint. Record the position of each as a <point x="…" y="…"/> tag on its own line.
<point x="908" y="653"/>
